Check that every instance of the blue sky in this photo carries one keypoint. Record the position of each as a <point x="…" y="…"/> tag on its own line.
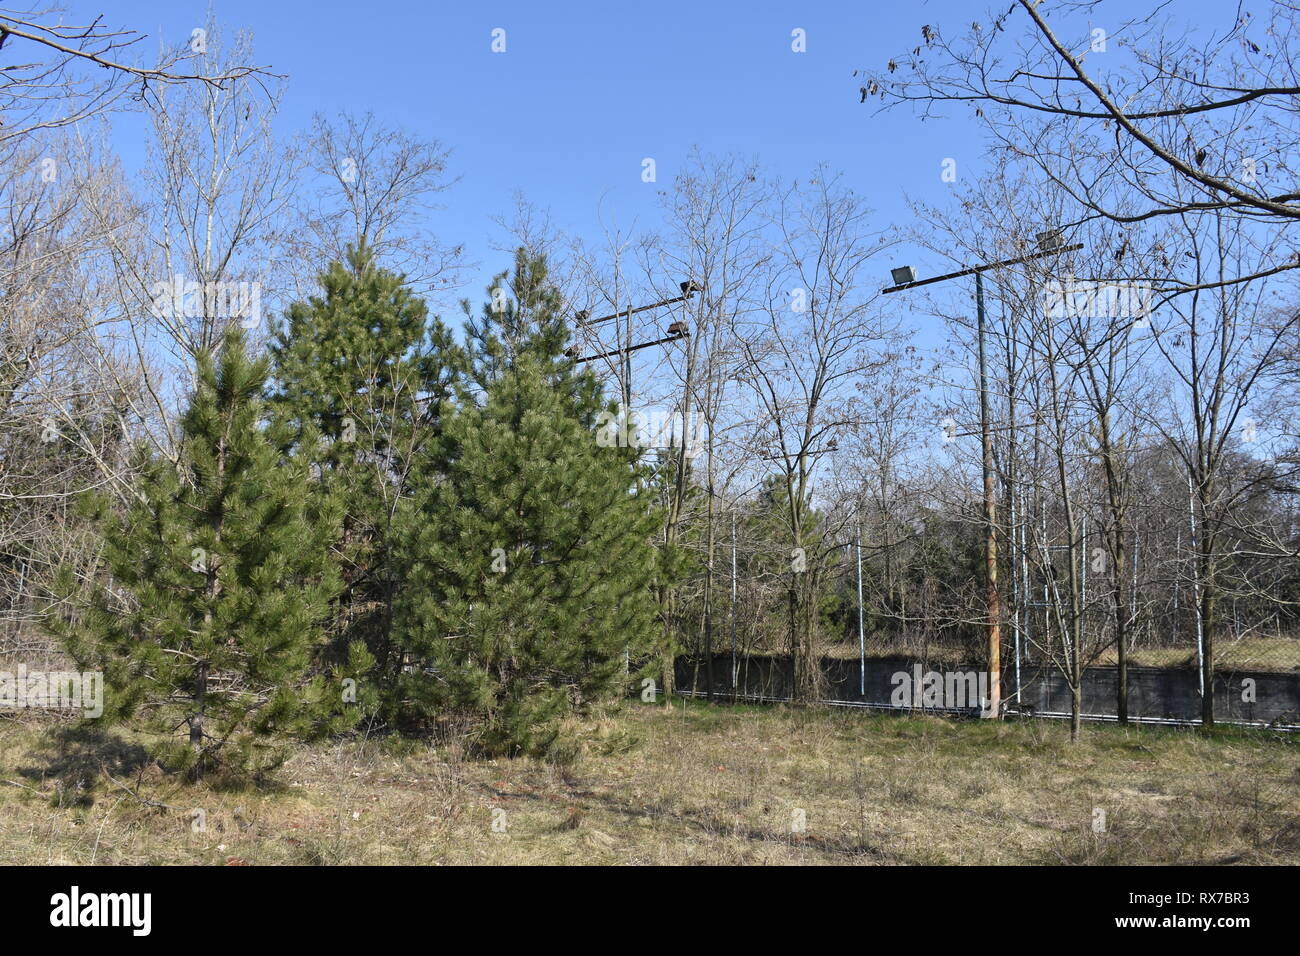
<point x="586" y="90"/>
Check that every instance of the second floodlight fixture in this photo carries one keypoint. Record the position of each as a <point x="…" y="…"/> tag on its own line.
<point x="903" y="275"/>
<point x="1049" y="240"/>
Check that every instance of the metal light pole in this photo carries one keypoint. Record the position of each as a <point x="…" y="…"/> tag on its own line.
<point x="676" y="331"/>
<point x="627" y="365"/>
<point x="905" y="278"/>
<point x="689" y="288"/>
<point x="992" y="595"/>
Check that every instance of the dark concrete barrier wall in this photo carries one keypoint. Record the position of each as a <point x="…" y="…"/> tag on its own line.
<point x="1154" y="692"/>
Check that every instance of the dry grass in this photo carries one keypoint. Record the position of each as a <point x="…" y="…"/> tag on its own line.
<point x="1258" y="653"/>
<point x="692" y="784"/>
<point x="1267" y="653"/>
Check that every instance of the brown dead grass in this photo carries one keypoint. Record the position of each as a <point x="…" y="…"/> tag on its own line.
<point x="693" y="783"/>
<point x="1256" y="653"/>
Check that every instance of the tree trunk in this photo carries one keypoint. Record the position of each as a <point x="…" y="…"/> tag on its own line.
<point x="796" y="652"/>
<point x="196" y="719"/>
<point x="1121" y="630"/>
<point x="1208" y="603"/>
<point x="1121" y="636"/>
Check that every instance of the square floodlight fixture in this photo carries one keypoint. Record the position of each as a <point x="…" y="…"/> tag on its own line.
<point x="690" y="287"/>
<point x="1049" y="240"/>
<point x="903" y="275"/>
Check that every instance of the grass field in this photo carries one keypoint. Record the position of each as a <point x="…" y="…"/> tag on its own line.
<point x="690" y="783"/>
<point x="1267" y="653"/>
<point x="1258" y="653"/>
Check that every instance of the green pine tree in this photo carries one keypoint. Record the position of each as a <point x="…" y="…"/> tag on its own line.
<point x="364" y="366"/>
<point x="218" y="583"/>
<point x="529" y="552"/>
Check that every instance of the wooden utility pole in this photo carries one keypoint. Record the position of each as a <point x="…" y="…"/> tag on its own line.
<point x="993" y="707"/>
<point x="1051" y="247"/>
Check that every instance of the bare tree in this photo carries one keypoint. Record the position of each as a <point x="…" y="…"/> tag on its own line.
<point x="1189" y="120"/>
<point x="63" y="400"/>
<point x="1220" y="358"/>
<point x="197" y="248"/>
<point x="716" y="214"/>
<point x="819" y="332"/>
<point x="376" y="184"/>
<point x="79" y="71"/>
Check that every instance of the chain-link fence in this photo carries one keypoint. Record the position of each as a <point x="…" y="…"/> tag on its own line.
<point x="906" y="637"/>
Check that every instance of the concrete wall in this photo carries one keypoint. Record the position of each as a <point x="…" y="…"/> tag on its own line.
<point x="1154" y="692"/>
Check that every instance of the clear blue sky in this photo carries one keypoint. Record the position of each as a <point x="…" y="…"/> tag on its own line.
<point x="587" y="89"/>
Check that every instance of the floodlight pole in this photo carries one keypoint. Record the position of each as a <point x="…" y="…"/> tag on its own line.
<point x="993" y="707"/>
<point x="627" y="367"/>
<point x="992" y="596"/>
<point x="689" y="288"/>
